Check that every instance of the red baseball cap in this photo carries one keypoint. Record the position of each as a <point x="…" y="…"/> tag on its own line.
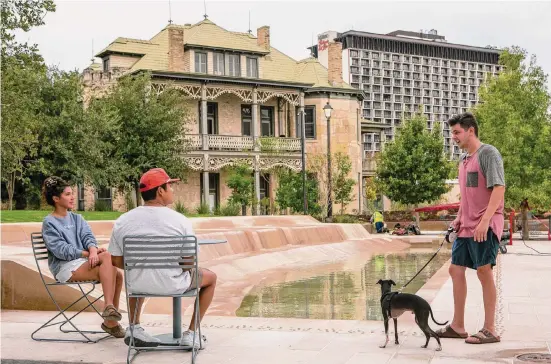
<point x="155" y="177"/>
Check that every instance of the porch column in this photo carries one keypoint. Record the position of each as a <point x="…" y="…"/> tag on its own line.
<point x="301" y="123"/>
<point x="360" y="193"/>
<point x="204" y="128"/>
<point x="254" y="120"/>
<point x="206" y="187"/>
<point x="302" y="119"/>
<point x="280" y="127"/>
<point x="256" y="207"/>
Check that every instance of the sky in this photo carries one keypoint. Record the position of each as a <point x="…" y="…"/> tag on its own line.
<point x="79" y="28"/>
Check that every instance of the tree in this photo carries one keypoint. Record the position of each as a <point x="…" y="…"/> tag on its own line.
<point x="514" y="117"/>
<point x="316" y="165"/>
<point x="290" y="194"/>
<point x="413" y="169"/>
<point x="150" y="132"/>
<point x="23" y="74"/>
<point x="342" y="185"/>
<point x="370" y="194"/>
<point x="21" y="106"/>
<point x="22" y="14"/>
<point x="73" y="142"/>
<point x="241" y="182"/>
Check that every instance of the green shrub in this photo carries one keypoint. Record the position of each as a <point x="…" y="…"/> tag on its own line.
<point x="230" y="209"/>
<point x="346" y="219"/>
<point x="102" y="205"/>
<point x="203" y="209"/>
<point x="33" y="198"/>
<point x="318" y="217"/>
<point x="129" y="200"/>
<point x="181" y="208"/>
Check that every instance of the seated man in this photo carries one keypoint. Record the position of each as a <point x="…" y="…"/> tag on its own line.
<point x="156" y="219"/>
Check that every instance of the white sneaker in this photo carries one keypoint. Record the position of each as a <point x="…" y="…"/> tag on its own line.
<point x="141" y="338"/>
<point x="187" y="339"/>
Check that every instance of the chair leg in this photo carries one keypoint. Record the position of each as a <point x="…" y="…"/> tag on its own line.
<point x="195" y="351"/>
<point x="90" y="303"/>
<point x="131" y="343"/>
<point x="67" y="320"/>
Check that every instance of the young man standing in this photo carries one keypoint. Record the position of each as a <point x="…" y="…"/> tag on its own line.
<point x="155" y="218"/>
<point x="479" y="225"/>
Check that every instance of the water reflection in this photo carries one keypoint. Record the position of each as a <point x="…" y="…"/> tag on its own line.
<point x="344" y="295"/>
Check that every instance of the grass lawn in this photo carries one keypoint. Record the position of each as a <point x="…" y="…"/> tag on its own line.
<point x="38" y="215"/>
<point x="7" y="216"/>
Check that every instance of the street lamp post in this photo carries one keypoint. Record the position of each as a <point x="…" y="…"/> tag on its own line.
<point x="327" y="109"/>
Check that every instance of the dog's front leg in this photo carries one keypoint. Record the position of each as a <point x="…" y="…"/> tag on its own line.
<point x="395" y="332"/>
<point x="386" y="331"/>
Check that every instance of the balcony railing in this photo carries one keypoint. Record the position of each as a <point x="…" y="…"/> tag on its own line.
<point x="369" y="165"/>
<point x="243" y="143"/>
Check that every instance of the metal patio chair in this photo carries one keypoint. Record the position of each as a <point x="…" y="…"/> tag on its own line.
<point x="40" y="252"/>
<point x="161" y="253"/>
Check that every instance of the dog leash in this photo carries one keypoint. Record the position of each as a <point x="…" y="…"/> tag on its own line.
<point x="420" y="270"/>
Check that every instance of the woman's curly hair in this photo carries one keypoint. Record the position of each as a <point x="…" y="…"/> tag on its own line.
<point x="53" y="186"/>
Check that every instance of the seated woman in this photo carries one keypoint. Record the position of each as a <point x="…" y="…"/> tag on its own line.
<point x="74" y="253"/>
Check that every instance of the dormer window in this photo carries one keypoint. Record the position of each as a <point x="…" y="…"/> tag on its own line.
<point x="234" y="65"/>
<point x="106" y="64"/>
<point x="252" y="67"/>
<point x="218" y="64"/>
<point x="200" y="62"/>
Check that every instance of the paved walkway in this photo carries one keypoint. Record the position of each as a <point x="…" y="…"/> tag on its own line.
<point x="524" y="320"/>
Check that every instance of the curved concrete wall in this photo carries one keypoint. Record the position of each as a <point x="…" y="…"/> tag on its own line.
<point x="244" y="234"/>
<point x="22" y="289"/>
<point x="258" y="247"/>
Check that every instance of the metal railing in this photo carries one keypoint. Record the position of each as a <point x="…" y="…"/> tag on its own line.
<point x="243" y="143"/>
<point x="369" y="165"/>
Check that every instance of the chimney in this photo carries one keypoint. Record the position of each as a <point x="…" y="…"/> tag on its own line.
<point x="175" y="49"/>
<point x="263" y="37"/>
<point x="334" y="63"/>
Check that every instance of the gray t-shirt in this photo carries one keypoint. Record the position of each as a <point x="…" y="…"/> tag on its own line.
<point x="152" y="221"/>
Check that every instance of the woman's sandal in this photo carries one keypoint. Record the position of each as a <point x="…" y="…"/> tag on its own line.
<point x="111" y="314"/>
<point x="449" y="333"/>
<point x="116" y="331"/>
<point x="483" y="337"/>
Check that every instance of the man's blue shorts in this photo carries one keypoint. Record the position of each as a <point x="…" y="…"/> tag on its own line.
<point x="468" y="253"/>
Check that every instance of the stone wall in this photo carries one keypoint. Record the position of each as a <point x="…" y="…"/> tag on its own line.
<point x="344" y="131"/>
<point x="117" y="198"/>
<point x="189" y="192"/>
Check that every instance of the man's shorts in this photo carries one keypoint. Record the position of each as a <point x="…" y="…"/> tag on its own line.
<point x="468" y="253"/>
<point x="194" y="283"/>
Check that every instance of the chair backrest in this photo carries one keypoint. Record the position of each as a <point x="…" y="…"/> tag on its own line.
<point x="159" y="252"/>
<point x="40" y="251"/>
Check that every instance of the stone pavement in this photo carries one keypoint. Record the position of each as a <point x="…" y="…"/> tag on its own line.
<point x="524" y="320"/>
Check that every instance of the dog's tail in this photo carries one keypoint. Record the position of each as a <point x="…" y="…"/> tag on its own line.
<point x="436" y="322"/>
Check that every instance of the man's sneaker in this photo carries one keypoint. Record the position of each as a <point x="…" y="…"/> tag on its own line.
<point x="141" y="338"/>
<point x="187" y="339"/>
